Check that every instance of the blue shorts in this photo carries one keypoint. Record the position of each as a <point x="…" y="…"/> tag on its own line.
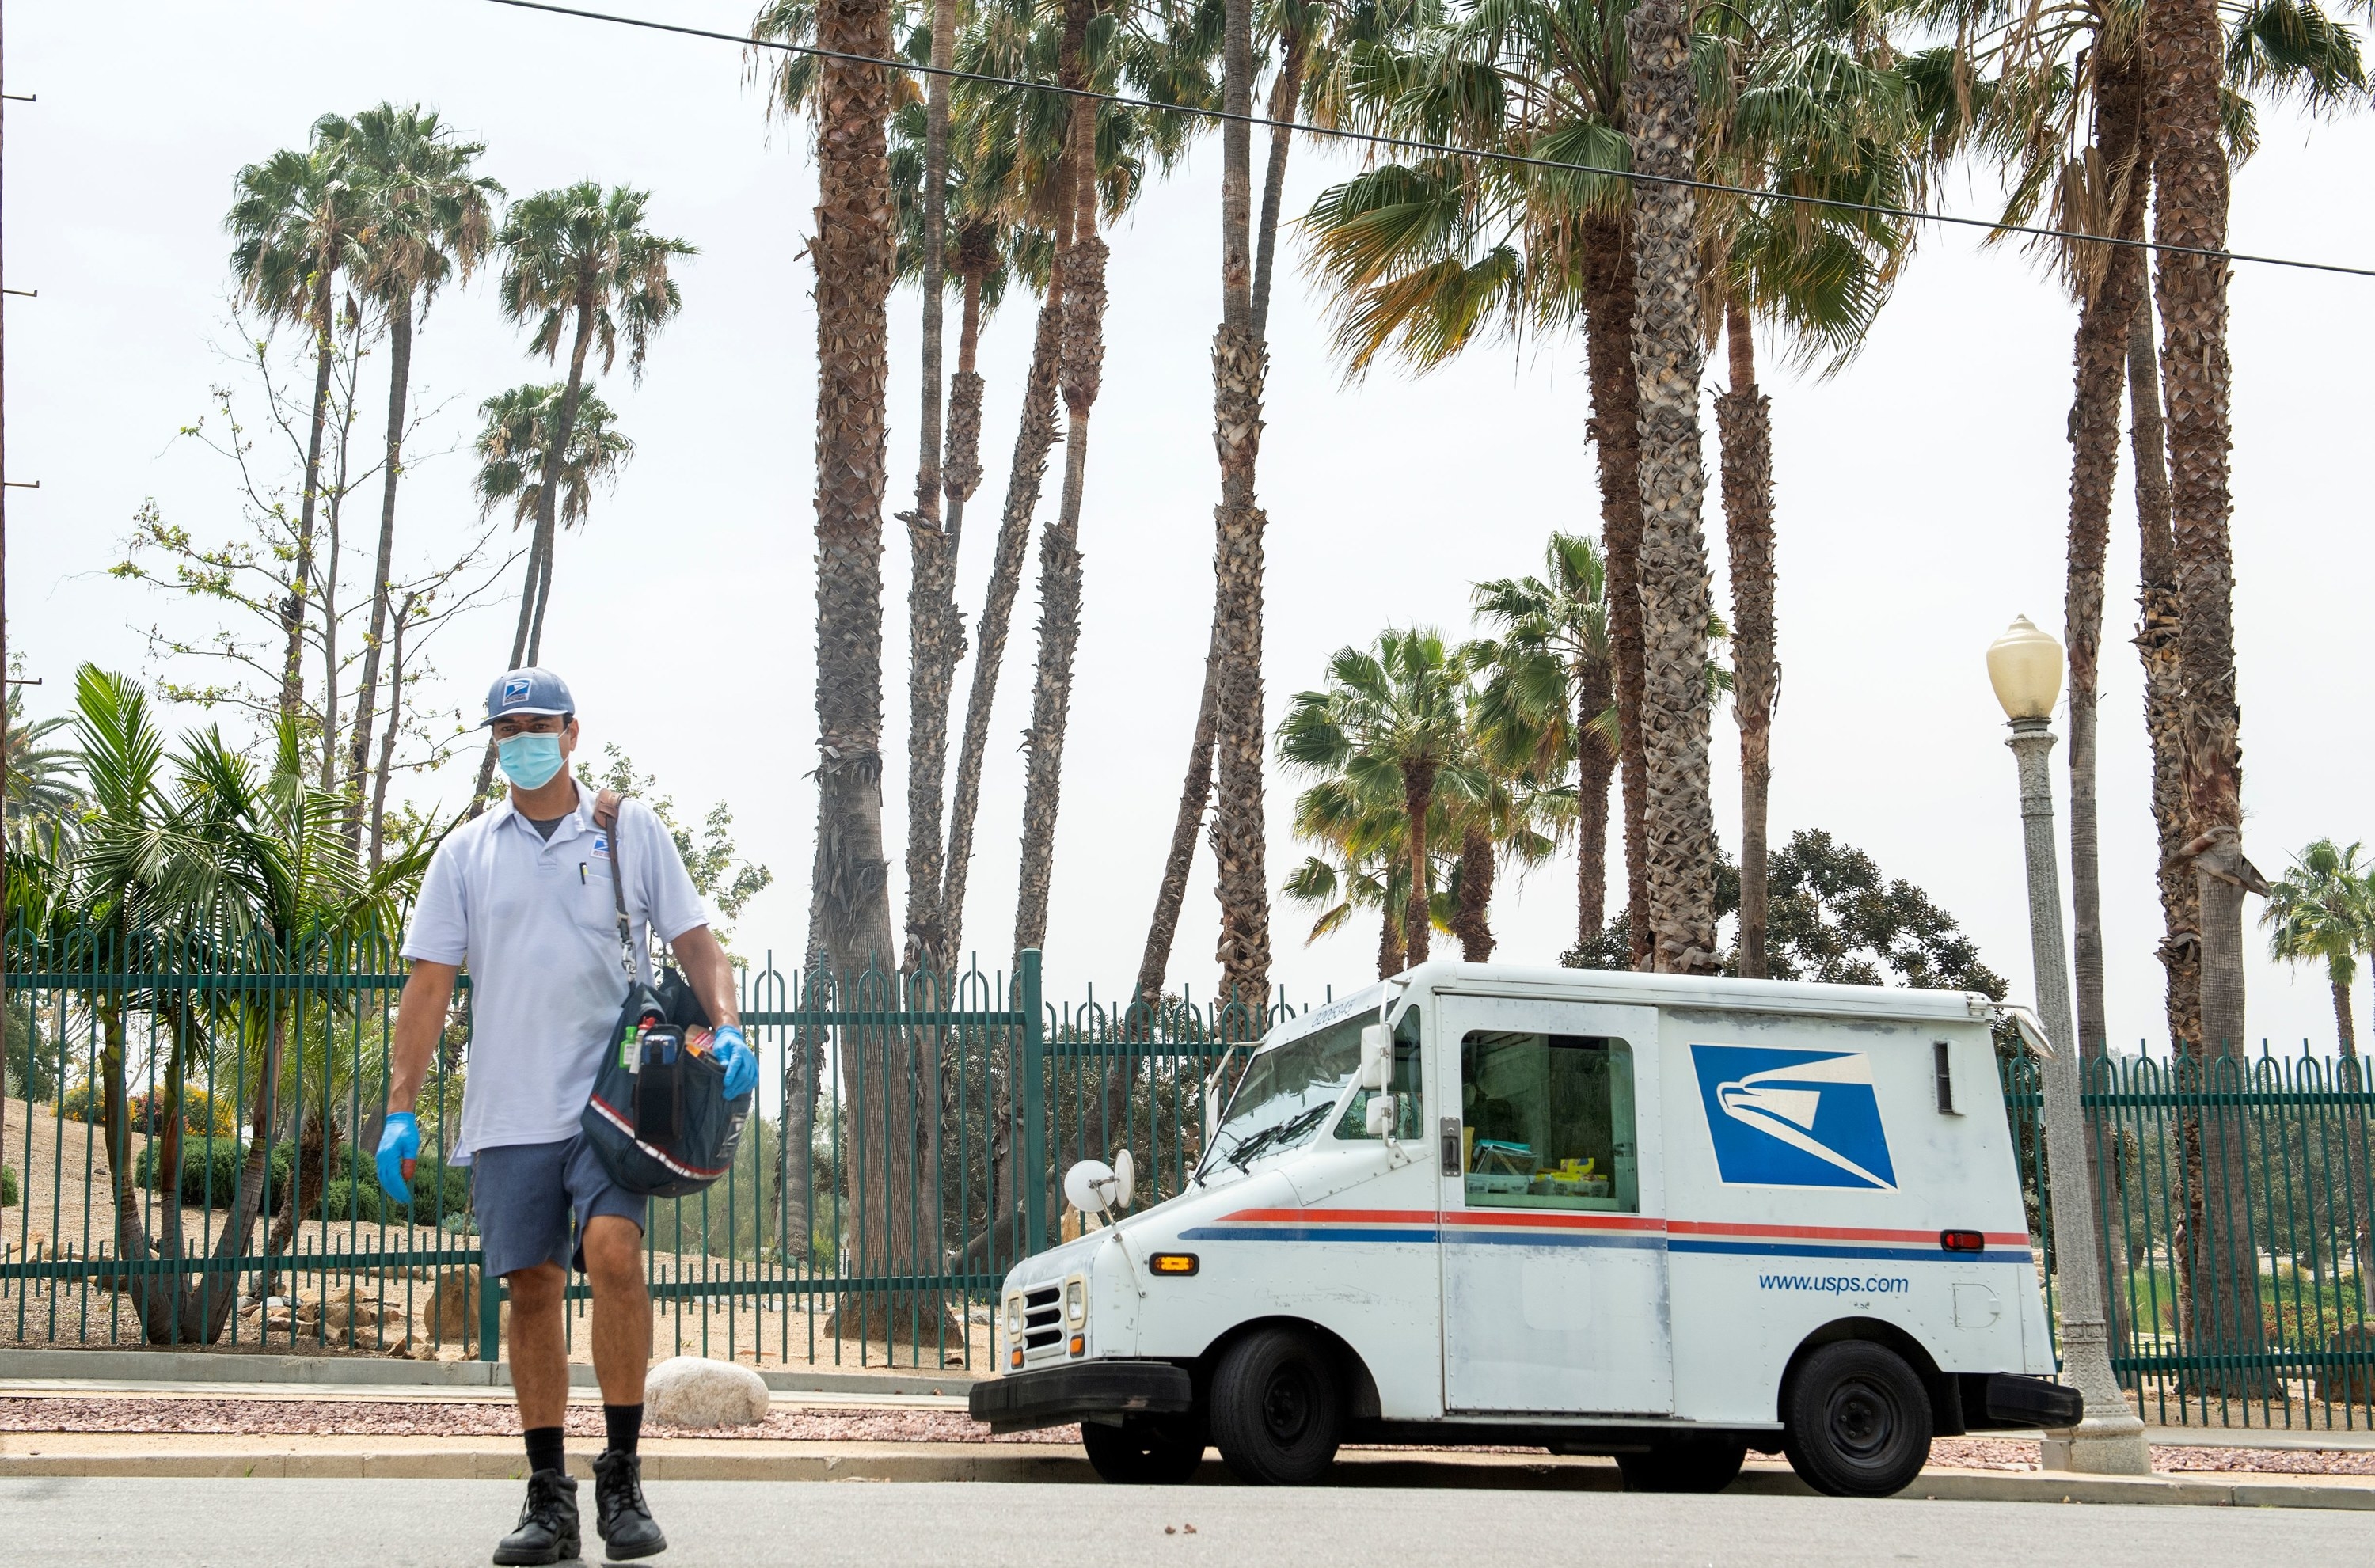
<point x="532" y="1201"/>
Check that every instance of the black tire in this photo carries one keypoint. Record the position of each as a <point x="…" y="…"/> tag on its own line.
<point x="1695" y="1464"/>
<point x="1277" y="1410"/>
<point x="1144" y="1453"/>
<point x="1858" y="1421"/>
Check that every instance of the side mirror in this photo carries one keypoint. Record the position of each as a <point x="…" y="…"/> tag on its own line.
<point x="1381" y="1115"/>
<point x="1094" y="1188"/>
<point x="1376" y="1058"/>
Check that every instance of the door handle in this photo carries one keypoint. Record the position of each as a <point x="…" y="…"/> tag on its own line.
<point x="1451" y="1146"/>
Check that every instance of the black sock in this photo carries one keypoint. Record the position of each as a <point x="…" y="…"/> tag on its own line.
<point x="623" y="1423"/>
<point x="544" y="1448"/>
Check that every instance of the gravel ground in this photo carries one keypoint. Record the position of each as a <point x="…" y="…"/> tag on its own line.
<point x="426" y="1418"/>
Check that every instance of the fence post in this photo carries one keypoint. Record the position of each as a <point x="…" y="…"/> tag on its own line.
<point x="491" y="1321"/>
<point x="1035" y="1108"/>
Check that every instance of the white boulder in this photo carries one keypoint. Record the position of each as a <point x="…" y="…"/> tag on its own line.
<point x="692" y="1391"/>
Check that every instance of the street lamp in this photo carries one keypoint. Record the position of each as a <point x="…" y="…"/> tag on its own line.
<point x="2024" y="667"/>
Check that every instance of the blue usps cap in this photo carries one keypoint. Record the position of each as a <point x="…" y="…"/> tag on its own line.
<point x="530" y="690"/>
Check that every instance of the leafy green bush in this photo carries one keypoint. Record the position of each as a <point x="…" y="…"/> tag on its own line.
<point x="210" y="1169"/>
<point x="201" y="1114"/>
<point x="8" y="1195"/>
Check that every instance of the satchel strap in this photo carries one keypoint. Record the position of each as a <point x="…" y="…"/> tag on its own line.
<point x="606" y="817"/>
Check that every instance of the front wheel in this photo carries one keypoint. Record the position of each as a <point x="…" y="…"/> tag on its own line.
<point x="1277" y="1411"/>
<point x="1691" y="1465"/>
<point x="1142" y="1452"/>
<point x="1858" y="1421"/>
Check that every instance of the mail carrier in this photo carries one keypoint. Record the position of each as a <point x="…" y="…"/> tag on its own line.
<point x="1657" y="1217"/>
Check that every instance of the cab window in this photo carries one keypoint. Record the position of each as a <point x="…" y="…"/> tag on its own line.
<point x="1547" y="1122"/>
<point x="1409" y="1120"/>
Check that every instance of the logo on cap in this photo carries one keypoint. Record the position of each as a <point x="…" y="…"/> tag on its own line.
<point x="515" y="690"/>
<point x="1782" y="1118"/>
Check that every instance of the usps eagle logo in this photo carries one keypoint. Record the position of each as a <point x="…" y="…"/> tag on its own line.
<point x="515" y="690"/>
<point x="1783" y="1118"/>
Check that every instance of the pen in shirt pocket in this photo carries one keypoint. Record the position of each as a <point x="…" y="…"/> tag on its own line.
<point x="581" y="873"/>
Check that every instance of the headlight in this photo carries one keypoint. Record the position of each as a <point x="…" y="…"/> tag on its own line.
<point x="1014" y="1319"/>
<point x="1075" y="1301"/>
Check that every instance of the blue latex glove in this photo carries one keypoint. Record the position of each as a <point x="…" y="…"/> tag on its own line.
<point x="735" y="1055"/>
<point x="399" y="1153"/>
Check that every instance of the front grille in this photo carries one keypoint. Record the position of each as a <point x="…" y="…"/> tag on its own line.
<point x="1043" y="1318"/>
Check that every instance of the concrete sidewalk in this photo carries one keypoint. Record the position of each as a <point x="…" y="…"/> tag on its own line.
<point x="154" y="1455"/>
<point x="350" y="1376"/>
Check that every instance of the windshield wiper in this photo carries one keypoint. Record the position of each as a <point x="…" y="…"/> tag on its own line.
<point x="1284" y="1132"/>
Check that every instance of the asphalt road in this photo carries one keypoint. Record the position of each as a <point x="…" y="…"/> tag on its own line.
<point x="265" y="1524"/>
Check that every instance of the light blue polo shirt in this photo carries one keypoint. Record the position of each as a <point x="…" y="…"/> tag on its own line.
<point x="534" y="922"/>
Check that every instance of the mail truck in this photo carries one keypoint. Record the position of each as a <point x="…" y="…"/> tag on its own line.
<point x="1661" y="1218"/>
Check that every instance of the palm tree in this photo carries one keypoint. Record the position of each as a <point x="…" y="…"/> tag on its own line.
<point x="516" y="452"/>
<point x="1391" y="717"/>
<point x="297" y="219"/>
<point x="43" y="799"/>
<point x="426" y="221"/>
<point x="1429" y="257"/>
<point x="238" y="864"/>
<point x="2322" y="910"/>
<point x="1817" y="105"/>
<point x="580" y="264"/>
<point x="1548" y="670"/>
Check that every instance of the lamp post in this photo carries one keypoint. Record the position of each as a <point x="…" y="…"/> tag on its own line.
<point x="2024" y="667"/>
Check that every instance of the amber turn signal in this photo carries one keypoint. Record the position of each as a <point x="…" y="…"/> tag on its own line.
<point x="1181" y="1263"/>
<point x="1079" y="1344"/>
<point x="1014" y="1358"/>
<point x="1962" y="1241"/>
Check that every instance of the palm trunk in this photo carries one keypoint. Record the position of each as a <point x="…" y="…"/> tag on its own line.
<point x="335" y="519"/>
<point x="1473" y="923"/>
<point x="933" y="641"/>
<point x="1285" y="97"/>
<point x="1595" y="768"/>
<point x="1391" y="961"/>
<point x="2184" y="51"/>
<point x="387" y="736"/>
<point x="1240" y="361"/>
<point x="399" y="377"/>
<point x="1744" y="426"/>
<point x="1661" y="109"/>
<point x="853" y="253"/>
<point x="2111" y="283"/>
<point x="1418" y="798"/>
<point x="1616" y="432"/>
<point x="2181" y="945"/>
<point x="1059" y="554"/>
<point x="292" y="671"/>
<point x="1033" y="435"/>
<point x="1195" y="793"/>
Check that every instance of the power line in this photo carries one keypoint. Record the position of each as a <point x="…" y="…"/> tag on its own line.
<point x="1402" y="144"/>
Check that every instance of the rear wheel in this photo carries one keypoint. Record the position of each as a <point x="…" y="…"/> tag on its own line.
<point x="1277" y="1411"/>
<point x="1695" y="1464"/>
<point x="1858" y="1422"/>
<point x="1145" y="1452"/>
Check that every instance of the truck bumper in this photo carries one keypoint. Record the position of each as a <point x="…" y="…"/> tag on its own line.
<point x="2009" y="1399"/>
<point x="1059" y="1394"/>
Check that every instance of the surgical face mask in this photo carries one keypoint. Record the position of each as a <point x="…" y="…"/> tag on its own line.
<point x="529" y="760"/>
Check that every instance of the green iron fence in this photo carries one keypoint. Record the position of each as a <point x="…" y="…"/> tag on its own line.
<point x="906" y="1150"/>
<point x="2235" y="1200"/>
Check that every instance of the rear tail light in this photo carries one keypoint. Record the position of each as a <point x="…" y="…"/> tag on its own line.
<point x="1963" y="1241"/>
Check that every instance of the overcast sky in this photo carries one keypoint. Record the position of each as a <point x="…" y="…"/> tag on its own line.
<point x="1921" y="494"/>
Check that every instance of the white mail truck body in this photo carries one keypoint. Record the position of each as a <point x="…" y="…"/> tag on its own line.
<point x="1662" y="1217"/>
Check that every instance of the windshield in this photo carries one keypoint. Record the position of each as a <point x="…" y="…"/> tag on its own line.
<point x="1289" y="1090"/>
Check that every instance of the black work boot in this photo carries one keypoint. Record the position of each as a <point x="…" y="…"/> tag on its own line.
<point x="548" y="1522"/>
<point x="620" y="1516"/>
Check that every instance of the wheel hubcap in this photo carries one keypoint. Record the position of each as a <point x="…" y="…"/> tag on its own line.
<point x="1286" y="1405"/>
<point x="1862" y="1420"/>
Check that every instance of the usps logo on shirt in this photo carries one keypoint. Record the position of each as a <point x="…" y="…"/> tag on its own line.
<point x="601" y="846"/>
<point x="515" y="690"/>
<point x="1784" y="1118"/>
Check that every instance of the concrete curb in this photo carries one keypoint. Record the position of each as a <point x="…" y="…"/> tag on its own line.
<point x="149" y="1455"/>
<point x="369" y="1371"/>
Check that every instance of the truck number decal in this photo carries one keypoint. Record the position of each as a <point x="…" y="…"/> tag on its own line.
<point x="1785" y="1118"/>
